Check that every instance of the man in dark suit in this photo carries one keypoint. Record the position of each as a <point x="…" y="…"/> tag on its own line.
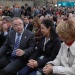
<point x="27" y="24"/>
<point x="17" y="49"/>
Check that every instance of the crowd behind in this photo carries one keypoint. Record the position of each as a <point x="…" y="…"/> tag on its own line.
<point x="47" y="40"/>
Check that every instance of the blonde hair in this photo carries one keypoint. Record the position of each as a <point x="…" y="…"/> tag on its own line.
<point x="66" y="29"/>
<point x="37" y="20"/>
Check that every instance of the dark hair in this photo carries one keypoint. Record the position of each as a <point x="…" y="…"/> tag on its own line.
<point x="55" y="18"/>
<point x="30" y="17"/>
<point x="22" y="7"/>
<point x="47" y="24"/>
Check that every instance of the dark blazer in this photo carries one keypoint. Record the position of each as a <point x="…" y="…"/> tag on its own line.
<point x="2" y="38"/>
<point x="30" y="27"/>
<point x="27" y="43"/>
<point x="51" y="50"/>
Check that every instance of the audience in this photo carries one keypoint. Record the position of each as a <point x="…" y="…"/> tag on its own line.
<point x="39" y="41"/>
<point x="47" y="50"/>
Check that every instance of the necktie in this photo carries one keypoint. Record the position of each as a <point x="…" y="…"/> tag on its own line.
<point x="16" y="46"/>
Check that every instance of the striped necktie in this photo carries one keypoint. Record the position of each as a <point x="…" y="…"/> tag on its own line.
<point x="13" y="54"/>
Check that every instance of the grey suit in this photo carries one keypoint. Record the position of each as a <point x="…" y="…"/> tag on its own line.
<point x="27" y="44"/>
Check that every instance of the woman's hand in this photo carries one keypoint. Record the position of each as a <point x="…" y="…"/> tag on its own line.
<point x="32" y="63"/>
<point x="47" y="69"/>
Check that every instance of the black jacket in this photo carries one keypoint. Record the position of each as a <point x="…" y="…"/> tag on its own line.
<point x="51" y="50"/>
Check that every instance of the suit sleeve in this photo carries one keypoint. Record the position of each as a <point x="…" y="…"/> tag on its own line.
<point x="64" y="70"/>
<point x="31" y="47"/>
<point x="4" y="48"/>
<point x="58" y="69"/>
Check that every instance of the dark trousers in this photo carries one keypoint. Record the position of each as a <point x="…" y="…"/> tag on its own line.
<point x="27" y="71"/>
<point x="11" y="67"/>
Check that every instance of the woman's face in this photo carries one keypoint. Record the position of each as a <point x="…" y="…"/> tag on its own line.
<point x="35" y="24"/>
<point x="44" y="30"/>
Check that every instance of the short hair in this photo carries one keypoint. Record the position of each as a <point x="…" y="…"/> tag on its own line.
<point x="7" y="18"/>
<point x="30" y="17"/>
<point x="15" y="18"/>
<point x="66" y="29"/>
<point x="26" y="17"/>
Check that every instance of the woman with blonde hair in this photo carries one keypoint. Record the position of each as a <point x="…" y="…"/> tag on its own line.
<point x="64" y="63"/>
<point x="37" y="29"/>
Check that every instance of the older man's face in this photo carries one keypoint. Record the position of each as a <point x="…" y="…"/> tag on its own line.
<point x="18" y="25"/>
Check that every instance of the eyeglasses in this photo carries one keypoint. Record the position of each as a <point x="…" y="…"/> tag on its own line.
<point x="16" y="25"/>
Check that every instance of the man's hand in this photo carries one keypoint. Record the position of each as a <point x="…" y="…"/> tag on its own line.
<point x="47" y="69"/>
<point x="20" y="52"/>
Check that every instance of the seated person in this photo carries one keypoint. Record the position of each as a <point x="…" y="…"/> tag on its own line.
<point x="47" y="50"/>
<point x="64" y="63"/>
<point x="17" y="48"/>
<point x="37" y="29"/>
<point x="3" y="33"/>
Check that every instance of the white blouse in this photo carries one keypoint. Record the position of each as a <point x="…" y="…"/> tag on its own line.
<point x="64" y="63"/>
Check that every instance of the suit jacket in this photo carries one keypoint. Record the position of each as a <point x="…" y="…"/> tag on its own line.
<point x="29" y="27"/>
<point x="51" y="50"/>
<point x="27" y="43"/>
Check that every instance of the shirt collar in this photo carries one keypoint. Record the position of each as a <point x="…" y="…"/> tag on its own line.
<point x="20" y="33"/>
<point x="46" y="40"/>
<point x="72" y="48"/>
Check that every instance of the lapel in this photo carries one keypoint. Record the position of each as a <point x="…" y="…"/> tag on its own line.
<point x="28" y="26"/>
<point x="49" y="43"/>
<point x="24" y="36"/>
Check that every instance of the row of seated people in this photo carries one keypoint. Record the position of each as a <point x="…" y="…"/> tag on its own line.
<point x="30" y="23"/>
<point x="6" y="26"/>
<point x="13" y="60"/>
<point x="64" y="61"/>
<point x="19" y="49"/>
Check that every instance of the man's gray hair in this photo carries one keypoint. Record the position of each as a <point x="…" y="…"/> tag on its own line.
<point x="7" y="18"/>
